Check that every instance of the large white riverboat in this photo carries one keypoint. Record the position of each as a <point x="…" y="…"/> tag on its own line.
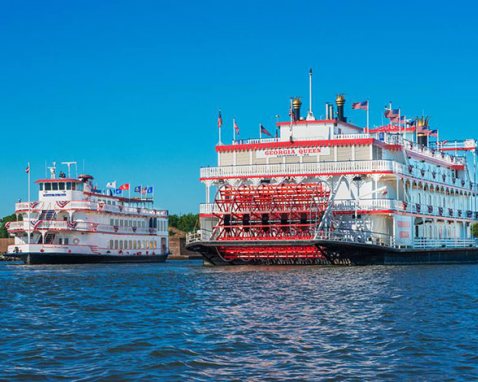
<point x="328" y="191"/>
<point x="72" y="222"/>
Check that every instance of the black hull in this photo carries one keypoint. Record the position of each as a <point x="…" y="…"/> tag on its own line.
<point x="346" y="253"/>
<point x="62" y="258"/>
<point x="212" y="255"/>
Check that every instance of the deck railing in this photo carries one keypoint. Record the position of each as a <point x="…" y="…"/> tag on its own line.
<point x="352" y="167"/>
<point x="60" y="225"/>
<point x="91" y="206"/>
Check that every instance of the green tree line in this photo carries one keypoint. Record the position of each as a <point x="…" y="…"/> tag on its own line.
<point x="3" y="221"/>
<point x="186" y="222"/>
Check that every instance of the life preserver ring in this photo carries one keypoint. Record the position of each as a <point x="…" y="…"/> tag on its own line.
<point x="76" y="241"/>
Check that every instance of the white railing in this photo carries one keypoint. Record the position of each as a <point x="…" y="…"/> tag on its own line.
<point x="368" y="204"/>
<point x="388" y="138"/>
<point x="198" y="236"/>
<point x="378" y="204"/>
<point x="299" y="139"/>
<point x="60" y="225"/>
<point x="88" y="205"/>
<point x="352" y="167"/>
<point x="284" y="169"/>
<point x="352" y="136"/>
<point x="353" y="236"/>
<point x="444" y="243"/>
<point x="423" y="150"/>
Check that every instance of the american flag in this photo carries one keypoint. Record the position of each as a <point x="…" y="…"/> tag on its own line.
<point x="236" y="128"/>
<point x="392" y="114"/>
<point x="360" y="105"/>
<point x="433" y="133"/>
<point x="265" y="131"/>
<point x="219" y="120"/>
<point x="27" y="170"/>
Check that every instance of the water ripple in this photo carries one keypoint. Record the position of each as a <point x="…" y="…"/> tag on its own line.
<point x="181" y="321"/>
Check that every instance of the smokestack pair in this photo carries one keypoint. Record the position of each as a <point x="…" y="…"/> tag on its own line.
<point x="329" y="111"/>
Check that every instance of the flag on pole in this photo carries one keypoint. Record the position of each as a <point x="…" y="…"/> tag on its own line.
<point x="118" y="191"/>
<point x="360" y="105"/>
<point x="124" y="187"/>
<point x="27" y="170"/>
<point x="111" y="184"/>
<point x="236" y="127"/>
<point x="392" y="114"/>
<point x="219" y="120"/>
<point x="150" y="190"/>
<point x="432" y="133"/>
<point x="144" y="190"/>
<point x="265" y="131"/>
<point x="137" y="189"/>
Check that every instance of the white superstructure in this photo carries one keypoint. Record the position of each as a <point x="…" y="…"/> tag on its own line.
<point x="71" y="217"/>
<point x="395" y="185"/>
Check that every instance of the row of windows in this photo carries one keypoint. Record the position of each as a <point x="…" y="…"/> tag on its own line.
<point x="133" y="244"/>
<point x="61" y="186"/>
<point x="442" y="201"/>
<point x="108" y="201"/>
<point x="161" y="224"/>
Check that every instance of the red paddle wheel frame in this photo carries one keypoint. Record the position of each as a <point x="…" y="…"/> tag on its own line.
<point x="285" y="212"/>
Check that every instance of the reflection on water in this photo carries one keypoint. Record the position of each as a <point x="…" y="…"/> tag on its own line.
<point x="180" y="320"/>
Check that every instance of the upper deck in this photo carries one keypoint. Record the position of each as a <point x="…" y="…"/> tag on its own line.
<point x="67" y="193"/>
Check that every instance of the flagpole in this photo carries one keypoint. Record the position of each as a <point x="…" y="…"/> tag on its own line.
<point x="260" y="131"/>
<point x="219" y="126"/>
<point x="368" y="108"/>
<point x="233" y="130"/>
<point x="399" y="124"/>
<point x="29" y="205"/>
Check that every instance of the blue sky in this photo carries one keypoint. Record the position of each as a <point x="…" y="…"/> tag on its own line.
<point x="132" y="89"/>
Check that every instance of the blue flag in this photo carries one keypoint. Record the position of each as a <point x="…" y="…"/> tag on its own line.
<point x="150" y="190"/>
<point x="118" y="191"/>
<point x="137" y="189"/>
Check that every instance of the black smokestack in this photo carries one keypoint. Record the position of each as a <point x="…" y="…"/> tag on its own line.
<point x="296" y="104"/>
<point x="340" y="101"/>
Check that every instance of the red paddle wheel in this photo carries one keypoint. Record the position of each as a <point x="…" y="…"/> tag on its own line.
<point x="269" y="221"/>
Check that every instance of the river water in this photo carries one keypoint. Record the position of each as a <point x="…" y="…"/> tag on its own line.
<point x="182" y="321"/>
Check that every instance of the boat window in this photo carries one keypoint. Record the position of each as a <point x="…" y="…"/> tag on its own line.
<point x="65" y="241"/>
<point x="61" y="186"/>
<point x="47" y="186"/>
<point x="116" y="244"/>
<point x="73" y="186"/>
<point x="111" y="244"/>
<point x="68" y="185"/>
<point x="80" y="187"/>
<point x="41" y="186"/>
<point x="130" y="244"/>
<point x="60" y="241"/>
<point x="112" y="222"/>
<point x="54" y="186"/>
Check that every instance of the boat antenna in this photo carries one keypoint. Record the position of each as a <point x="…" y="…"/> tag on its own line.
<point x="310" y="115"/>
<point x="68" y="164"/>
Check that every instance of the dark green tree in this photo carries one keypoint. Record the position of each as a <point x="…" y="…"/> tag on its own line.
<point x="474" y="229"/>
<point x="3" y="221"/>
<point x="186" y="222"/>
